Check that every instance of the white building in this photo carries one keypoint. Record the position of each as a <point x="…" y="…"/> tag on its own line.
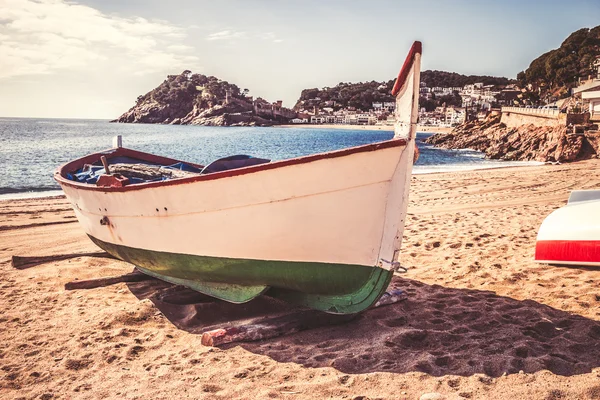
<point x="455" y="116"/>
<point x="590" y="93"/>
<point x="350" y="119"/>
<point x="362" y="119"/>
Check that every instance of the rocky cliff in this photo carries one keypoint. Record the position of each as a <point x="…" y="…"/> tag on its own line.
<point x="195" y="99"/>
<point x="524" y="143"/>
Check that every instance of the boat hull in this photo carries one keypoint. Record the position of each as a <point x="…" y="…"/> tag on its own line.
<point x="331" y="210"/>
<point x="570" y="235"/>
<point x="323" y="230"/>
<point x="321" y="233"/>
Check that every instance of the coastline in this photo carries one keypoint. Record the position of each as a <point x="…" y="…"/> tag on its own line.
<point x="420" y="128"/>
<point x="31" y="195"/>
<point x="471" y="283"/>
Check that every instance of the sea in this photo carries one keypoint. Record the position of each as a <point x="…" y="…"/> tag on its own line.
<point x="31" y="149"/>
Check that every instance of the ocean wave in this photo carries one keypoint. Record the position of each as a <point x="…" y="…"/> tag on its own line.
<point x="63" y="123"/>
<point x="30" y="195"/>
<point x="431" y="169"/>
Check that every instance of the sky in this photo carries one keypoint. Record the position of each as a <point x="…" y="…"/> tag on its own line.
<point x="93" y="58"/>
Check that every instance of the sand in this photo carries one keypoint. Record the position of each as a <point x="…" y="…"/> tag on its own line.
<point x="482" y="320"/>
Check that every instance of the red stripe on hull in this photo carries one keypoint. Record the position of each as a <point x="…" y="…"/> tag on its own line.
<point x="417" y="48"/>
<point x="584" y="251"/>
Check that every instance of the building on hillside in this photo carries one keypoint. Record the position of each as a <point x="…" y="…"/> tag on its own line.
<point x="454" y="116"/>
<point x="386" y="106"/>
<point x="272" y="110"/>
<point x="508" y="97"/>
<point x="589" y="92"/>
<point x="389" y="106"/>
<point x="590" y="98"/>
<point x="350" y="119"/>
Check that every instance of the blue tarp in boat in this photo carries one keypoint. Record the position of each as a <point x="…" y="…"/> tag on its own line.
<point x="90" y="173"/>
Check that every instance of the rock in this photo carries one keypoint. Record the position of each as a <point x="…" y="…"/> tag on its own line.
<point x="525" y="143"/>
<point x="432" y="396"/>
<point x="194" y="99"/>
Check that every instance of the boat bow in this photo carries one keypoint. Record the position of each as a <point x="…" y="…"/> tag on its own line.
<point x="406" y="90"/>
<point x="322" y="231"/>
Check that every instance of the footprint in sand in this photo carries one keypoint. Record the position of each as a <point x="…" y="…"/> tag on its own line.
<point x="394" y="322"/>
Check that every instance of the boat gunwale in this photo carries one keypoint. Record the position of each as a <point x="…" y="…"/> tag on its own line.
<point x="60" y="173"/>
<point x="416" y="48"/>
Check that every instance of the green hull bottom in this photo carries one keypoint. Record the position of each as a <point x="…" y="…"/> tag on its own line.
<point x="333" y="288"/>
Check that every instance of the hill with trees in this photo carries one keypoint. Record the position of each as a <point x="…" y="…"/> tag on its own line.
<point x="363" y="94"/>
<point x="550" y="76"/>
<point x="452" y="79"/>
<point x="358" y="95"/>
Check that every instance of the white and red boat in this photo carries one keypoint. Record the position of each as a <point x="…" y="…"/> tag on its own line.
<point x="571" y="234"/>
<point x="322" y="230"/>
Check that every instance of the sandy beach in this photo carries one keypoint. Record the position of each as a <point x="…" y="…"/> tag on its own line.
<point x="420" y="128"/>
<point x="482" y="320"/>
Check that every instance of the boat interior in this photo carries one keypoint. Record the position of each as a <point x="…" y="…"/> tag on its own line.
<point x="128" y="167"/>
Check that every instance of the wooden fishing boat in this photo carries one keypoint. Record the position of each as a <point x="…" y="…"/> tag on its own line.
<point x="570" y="235"/>
<point x="322" y="231"/>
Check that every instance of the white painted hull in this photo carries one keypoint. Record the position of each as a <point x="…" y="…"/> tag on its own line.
<point x="343" y="207"/>
<point x="570" y="235"/>
<point x="332" y="210"/>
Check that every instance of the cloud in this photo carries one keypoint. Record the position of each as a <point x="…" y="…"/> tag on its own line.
<point x="269" y="36"/>
<point x="230" y="36"/>
<point x="226" y="35"/>
<point x="43" y="36"/>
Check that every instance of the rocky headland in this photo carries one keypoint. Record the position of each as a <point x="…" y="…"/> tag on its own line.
<point x="523" y="143"/>
<point x="196" y="99"/>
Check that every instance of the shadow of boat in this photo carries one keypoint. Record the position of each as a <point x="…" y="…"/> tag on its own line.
<point x="438" y="331"/>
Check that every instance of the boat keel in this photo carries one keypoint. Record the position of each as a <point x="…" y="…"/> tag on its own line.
<point x="332" y="288"/>
<point x="350" y="303"/>
<point x="230" y="292"/>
